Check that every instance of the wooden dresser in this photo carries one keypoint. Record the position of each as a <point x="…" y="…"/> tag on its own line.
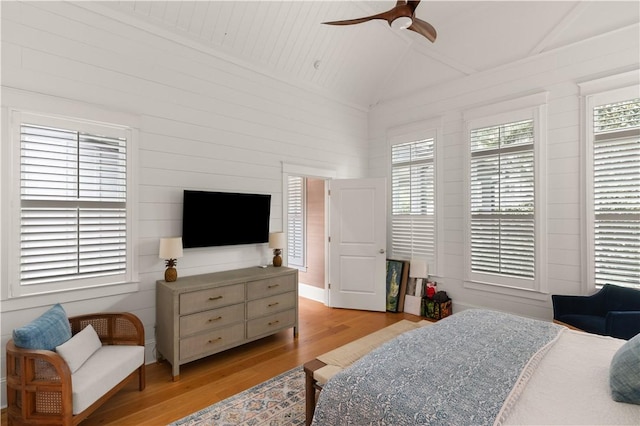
<point x="201" y="315"/>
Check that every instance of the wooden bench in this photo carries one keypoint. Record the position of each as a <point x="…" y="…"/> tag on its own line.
<point x="319" y="370"/>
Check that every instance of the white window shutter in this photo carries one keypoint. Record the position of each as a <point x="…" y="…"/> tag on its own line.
<point x="502" y="200"/>
<point x="616" y="193"/>
<point x="73" y="205"/>
<point x="295" y="221"/>
<point x="413" y="200"/>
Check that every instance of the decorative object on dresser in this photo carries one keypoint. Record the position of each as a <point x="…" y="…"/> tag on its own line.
<point x="277" y="243"/>
<point x="170" y="250"/>
<point x="60" y="370"/>
<point x="201" y="315"/>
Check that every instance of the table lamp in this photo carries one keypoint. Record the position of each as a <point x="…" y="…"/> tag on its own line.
<point x="276" y="242"/>
<point x="170" y="250"/>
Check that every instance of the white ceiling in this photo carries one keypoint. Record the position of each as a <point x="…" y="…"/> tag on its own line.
<point x="366" y="63"/>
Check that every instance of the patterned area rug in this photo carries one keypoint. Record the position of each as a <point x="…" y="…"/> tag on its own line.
<point x="277" y="402"/>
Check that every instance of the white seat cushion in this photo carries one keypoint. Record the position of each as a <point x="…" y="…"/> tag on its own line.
<point x="107" y="367"/>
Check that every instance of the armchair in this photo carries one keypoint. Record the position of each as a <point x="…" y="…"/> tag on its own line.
<point x="612" y="311"/>
<point x="40" y="389"/>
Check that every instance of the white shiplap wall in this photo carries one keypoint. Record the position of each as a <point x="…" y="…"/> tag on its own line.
<point x="557" y="73"/>
<point x="204" y="122"/>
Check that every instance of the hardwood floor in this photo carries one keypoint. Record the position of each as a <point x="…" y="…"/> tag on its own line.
<point x="219" y="376"/>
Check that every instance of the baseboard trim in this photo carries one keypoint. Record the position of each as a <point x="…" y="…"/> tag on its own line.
<point x="311" y="292"/>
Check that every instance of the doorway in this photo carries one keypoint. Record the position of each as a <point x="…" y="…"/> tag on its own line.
<point x="305" y="221"/>
<point x="306" y="232"/>
<point x="353" y="260"/>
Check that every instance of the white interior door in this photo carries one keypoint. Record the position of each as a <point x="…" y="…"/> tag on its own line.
<point x="357" y="230"/>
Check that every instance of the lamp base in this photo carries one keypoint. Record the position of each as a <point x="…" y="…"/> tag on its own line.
<point x="170" y="274"/>
<point x="277" y="260"/>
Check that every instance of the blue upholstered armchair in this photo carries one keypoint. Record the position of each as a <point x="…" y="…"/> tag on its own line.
<point x="612" y="311"/>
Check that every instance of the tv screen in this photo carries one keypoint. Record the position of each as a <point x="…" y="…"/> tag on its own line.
<point x="224" y="218"/>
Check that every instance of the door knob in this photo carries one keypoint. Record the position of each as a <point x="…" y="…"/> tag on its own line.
<point x="381" y="251"/>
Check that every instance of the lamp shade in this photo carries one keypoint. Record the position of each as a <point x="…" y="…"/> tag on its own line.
<point x="418" y="269"/>
<point x="170" y="248"/>
<point x="276" y="240"/>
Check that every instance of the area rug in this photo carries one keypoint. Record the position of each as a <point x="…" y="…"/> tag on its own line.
<point x="277" y="402"/>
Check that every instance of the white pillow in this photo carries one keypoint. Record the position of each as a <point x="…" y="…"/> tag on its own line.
<point x="79" y="348"/>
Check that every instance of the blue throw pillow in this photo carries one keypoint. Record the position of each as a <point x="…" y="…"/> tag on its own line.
<point x="49" y="330"/>
<point x="624" y="374"/>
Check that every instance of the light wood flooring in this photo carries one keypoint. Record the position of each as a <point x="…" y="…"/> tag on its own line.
<point x="219" y="376"/>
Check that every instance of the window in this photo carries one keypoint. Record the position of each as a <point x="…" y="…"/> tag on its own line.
<point x="502" y="199"/>
<point x="413" y="199"/>
<point x="296" y="221"/>
<point x="614" y="188"/>
<point x="74" y="215"/>
<point x="505" y="218"/>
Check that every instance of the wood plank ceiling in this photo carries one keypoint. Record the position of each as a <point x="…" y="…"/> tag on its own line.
<point x="370" y="62"/>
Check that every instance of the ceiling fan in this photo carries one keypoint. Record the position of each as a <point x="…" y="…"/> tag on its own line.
<point x="400" y="17"/>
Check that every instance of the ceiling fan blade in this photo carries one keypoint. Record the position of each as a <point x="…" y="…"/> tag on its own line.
<point x="424" y="29"/>
<point x="412" y="4"/>
<point x="384" y="15"/>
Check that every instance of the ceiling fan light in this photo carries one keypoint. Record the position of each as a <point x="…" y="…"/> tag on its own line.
<point x="401" y="23"/>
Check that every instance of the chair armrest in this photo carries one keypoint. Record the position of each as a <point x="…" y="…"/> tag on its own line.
<point x="623" y="324"/>
<point x="581" y="305"/>
<point x="38" y="383"/>
<point x="113" y="328"/>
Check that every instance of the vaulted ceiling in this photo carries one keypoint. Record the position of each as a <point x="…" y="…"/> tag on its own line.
<point x="370" y="62"/>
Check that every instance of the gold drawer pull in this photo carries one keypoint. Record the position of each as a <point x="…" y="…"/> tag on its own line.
<point x="215" y="340"/>
<point x="274" y="322"/>
<point x="214" y="319"/>
<point x="274" y="286"/>
<point x="273" y="304"/>
<point x="215" y="298"/>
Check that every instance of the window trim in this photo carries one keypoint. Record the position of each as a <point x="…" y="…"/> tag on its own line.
<point x="602" y="91"/>
<point x="429" y="128"/>
<point x="527" y="107"/>
<point x="83" y="118"/>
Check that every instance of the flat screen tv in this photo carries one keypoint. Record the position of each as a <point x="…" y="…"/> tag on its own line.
<point x="224" y="218"/>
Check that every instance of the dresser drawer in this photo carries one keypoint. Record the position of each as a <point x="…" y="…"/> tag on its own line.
<point x="270" y="286"/>
<point x="207" y="320"/>
<point x="209" y="342"/>
<point x="203" y="300"/>
<point x="271" y="323"/>
<point x="269" y="305"/>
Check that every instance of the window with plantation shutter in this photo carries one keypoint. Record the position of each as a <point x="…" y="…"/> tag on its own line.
<point x="615" y="139"/>
<point x="502" y="191"/>
<point x="413" y="200"/>
<point x="73" y="204"/>
<point x="296" y="221"/>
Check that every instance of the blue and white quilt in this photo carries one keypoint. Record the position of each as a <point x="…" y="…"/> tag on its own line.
<point x="458" y="371"/>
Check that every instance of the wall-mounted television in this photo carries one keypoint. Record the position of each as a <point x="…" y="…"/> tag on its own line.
<point x="224" y="218"/>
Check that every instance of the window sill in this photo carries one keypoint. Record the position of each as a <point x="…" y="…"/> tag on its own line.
<point x="507" y="290"/>
<point x="33" y="301"/>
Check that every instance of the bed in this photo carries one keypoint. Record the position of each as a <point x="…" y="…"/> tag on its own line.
<point x="485" y="367"/>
